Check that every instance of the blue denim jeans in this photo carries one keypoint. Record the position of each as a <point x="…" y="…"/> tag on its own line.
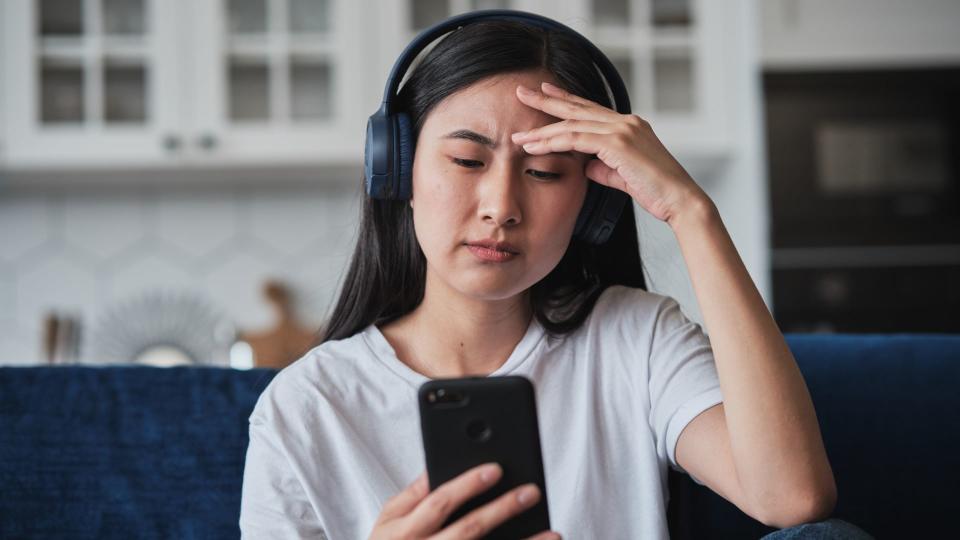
<point x="831" y="529"/>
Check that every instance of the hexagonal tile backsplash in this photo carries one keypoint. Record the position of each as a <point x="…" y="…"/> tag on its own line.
<point x="81" y="253"/>
<point x="24" y="225"/>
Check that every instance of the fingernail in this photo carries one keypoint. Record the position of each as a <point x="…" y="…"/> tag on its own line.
<point x="489" y="472"/>
<point x="530" y="146"/>
<point x="518" y="135"/>
<point x="525" y="91"/>
<point x="527" y="495"/>
<point x="549" y="86"/>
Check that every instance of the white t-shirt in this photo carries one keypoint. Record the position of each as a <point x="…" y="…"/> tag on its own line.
<point x="337" y="433"/>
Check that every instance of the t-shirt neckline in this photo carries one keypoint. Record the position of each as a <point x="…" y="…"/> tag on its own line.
<point x="384" y="352"/>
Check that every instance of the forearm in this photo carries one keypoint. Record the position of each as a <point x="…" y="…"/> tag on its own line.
<point x="774" y="437"/>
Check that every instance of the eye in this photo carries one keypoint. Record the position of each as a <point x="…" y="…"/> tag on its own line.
<point x="476" y="164"/>
<point x="468" y="163"/>
<point x="543" y="175"/>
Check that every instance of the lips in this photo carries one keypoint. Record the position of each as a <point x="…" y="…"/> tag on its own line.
<point x="489" y="250"/>
<point x="495" y="246"/>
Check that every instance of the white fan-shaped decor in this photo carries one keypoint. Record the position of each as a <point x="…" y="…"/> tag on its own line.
<point x="162" y="328"/>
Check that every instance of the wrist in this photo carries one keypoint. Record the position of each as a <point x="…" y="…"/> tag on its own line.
<point x="695" y="210"/>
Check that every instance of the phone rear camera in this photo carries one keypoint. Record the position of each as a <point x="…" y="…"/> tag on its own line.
<point x="445" y="396"/>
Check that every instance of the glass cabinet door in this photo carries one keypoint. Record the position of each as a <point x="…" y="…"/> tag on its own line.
<point x="278" y="64"/>
<point x="421" y="14"/>
<point x="279" y="79"/>
<point x="652" y="44"/>
<point x="92" y="62"/>
<point x="86" y="79"/>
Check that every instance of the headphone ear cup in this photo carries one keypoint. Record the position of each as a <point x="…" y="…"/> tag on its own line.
<point x="404" y="150"/>
<point x="370" y="158"/>
<point x="583" y="218"/>
<point x="600" y="213"/>
<point x="388" y="156"/>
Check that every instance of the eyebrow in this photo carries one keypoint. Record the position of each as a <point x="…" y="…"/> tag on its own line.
<point x="478" y="138"/>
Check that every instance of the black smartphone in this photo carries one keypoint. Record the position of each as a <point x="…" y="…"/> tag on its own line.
<point x="469" y="421"/>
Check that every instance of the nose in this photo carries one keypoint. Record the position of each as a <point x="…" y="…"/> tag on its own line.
<point x="499" y="198"/>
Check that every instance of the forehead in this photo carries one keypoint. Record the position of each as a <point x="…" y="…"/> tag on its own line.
<point x="491" y="105"/>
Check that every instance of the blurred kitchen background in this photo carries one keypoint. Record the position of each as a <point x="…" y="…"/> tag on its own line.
<point x="180" y="179"/>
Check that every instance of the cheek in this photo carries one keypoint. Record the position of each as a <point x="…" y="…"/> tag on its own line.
<point x="428" y="179"/>
<point x="438" y="207"/>
<point x="560" y="207"/>
<point x="556" y="215"/>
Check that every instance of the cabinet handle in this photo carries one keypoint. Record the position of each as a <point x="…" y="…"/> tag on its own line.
<point x="207" y="141"/>
<point x="171" y="142"/>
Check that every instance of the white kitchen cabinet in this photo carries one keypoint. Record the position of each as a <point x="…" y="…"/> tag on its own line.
<point x="167" y="85"/>
<point x="82" y="81"/>
<point x="108" y="84"/>
<point x="277" y="81"/>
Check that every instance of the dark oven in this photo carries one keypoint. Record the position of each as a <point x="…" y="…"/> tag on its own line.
<point x="864" y="169"/>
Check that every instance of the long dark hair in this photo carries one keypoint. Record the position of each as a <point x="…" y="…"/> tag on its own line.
<point x="387" y="272"/>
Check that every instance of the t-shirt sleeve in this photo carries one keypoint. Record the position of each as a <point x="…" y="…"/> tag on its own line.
<point x="682" y="377"/>
<point x="273" y="503"/>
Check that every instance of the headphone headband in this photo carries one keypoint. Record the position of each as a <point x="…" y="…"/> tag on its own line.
<point x="427" y="36"/>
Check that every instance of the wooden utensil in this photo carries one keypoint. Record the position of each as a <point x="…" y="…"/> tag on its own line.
<point x="288" y="340"/>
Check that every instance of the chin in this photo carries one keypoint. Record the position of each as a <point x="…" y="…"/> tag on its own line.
<point x="490" y="289"/>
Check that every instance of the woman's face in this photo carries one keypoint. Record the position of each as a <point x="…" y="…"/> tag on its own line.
<point x="472" y="183"/>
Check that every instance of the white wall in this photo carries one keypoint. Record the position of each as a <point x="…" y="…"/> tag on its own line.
<point x="3" y="90"/>
<point x="857" y="33"/>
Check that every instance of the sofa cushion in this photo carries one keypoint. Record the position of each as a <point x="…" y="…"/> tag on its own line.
<point x="123" y="452"/>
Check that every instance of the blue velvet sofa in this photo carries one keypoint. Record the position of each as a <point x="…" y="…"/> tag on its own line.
<point x="158" y="453"/>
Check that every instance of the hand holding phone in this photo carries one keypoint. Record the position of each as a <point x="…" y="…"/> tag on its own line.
<point x="417" y="512"/>
<point x="470" y="421"/>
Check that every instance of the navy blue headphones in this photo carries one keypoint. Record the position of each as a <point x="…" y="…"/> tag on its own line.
<point x="388" y="154"/>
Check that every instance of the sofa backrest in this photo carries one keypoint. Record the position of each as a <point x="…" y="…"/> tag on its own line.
<point x="139" y="452"/>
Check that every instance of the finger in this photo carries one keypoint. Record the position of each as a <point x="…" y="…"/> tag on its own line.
<point x="556" y="91"/>
<point x="551" y="130"/>
<point x="546" y="535"/>
<point x="481" y="521"/>
<point x="434" y="509"/>
<point x="587" y="143"/>
<point x="601" y="173"/>
<point x="562" y="108"/>
<point x="402" y="503"/>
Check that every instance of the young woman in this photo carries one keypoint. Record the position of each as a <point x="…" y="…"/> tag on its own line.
<point x="479" y="273"/>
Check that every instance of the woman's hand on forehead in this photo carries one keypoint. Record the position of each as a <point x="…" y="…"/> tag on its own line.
<point x="630" y="157"/>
